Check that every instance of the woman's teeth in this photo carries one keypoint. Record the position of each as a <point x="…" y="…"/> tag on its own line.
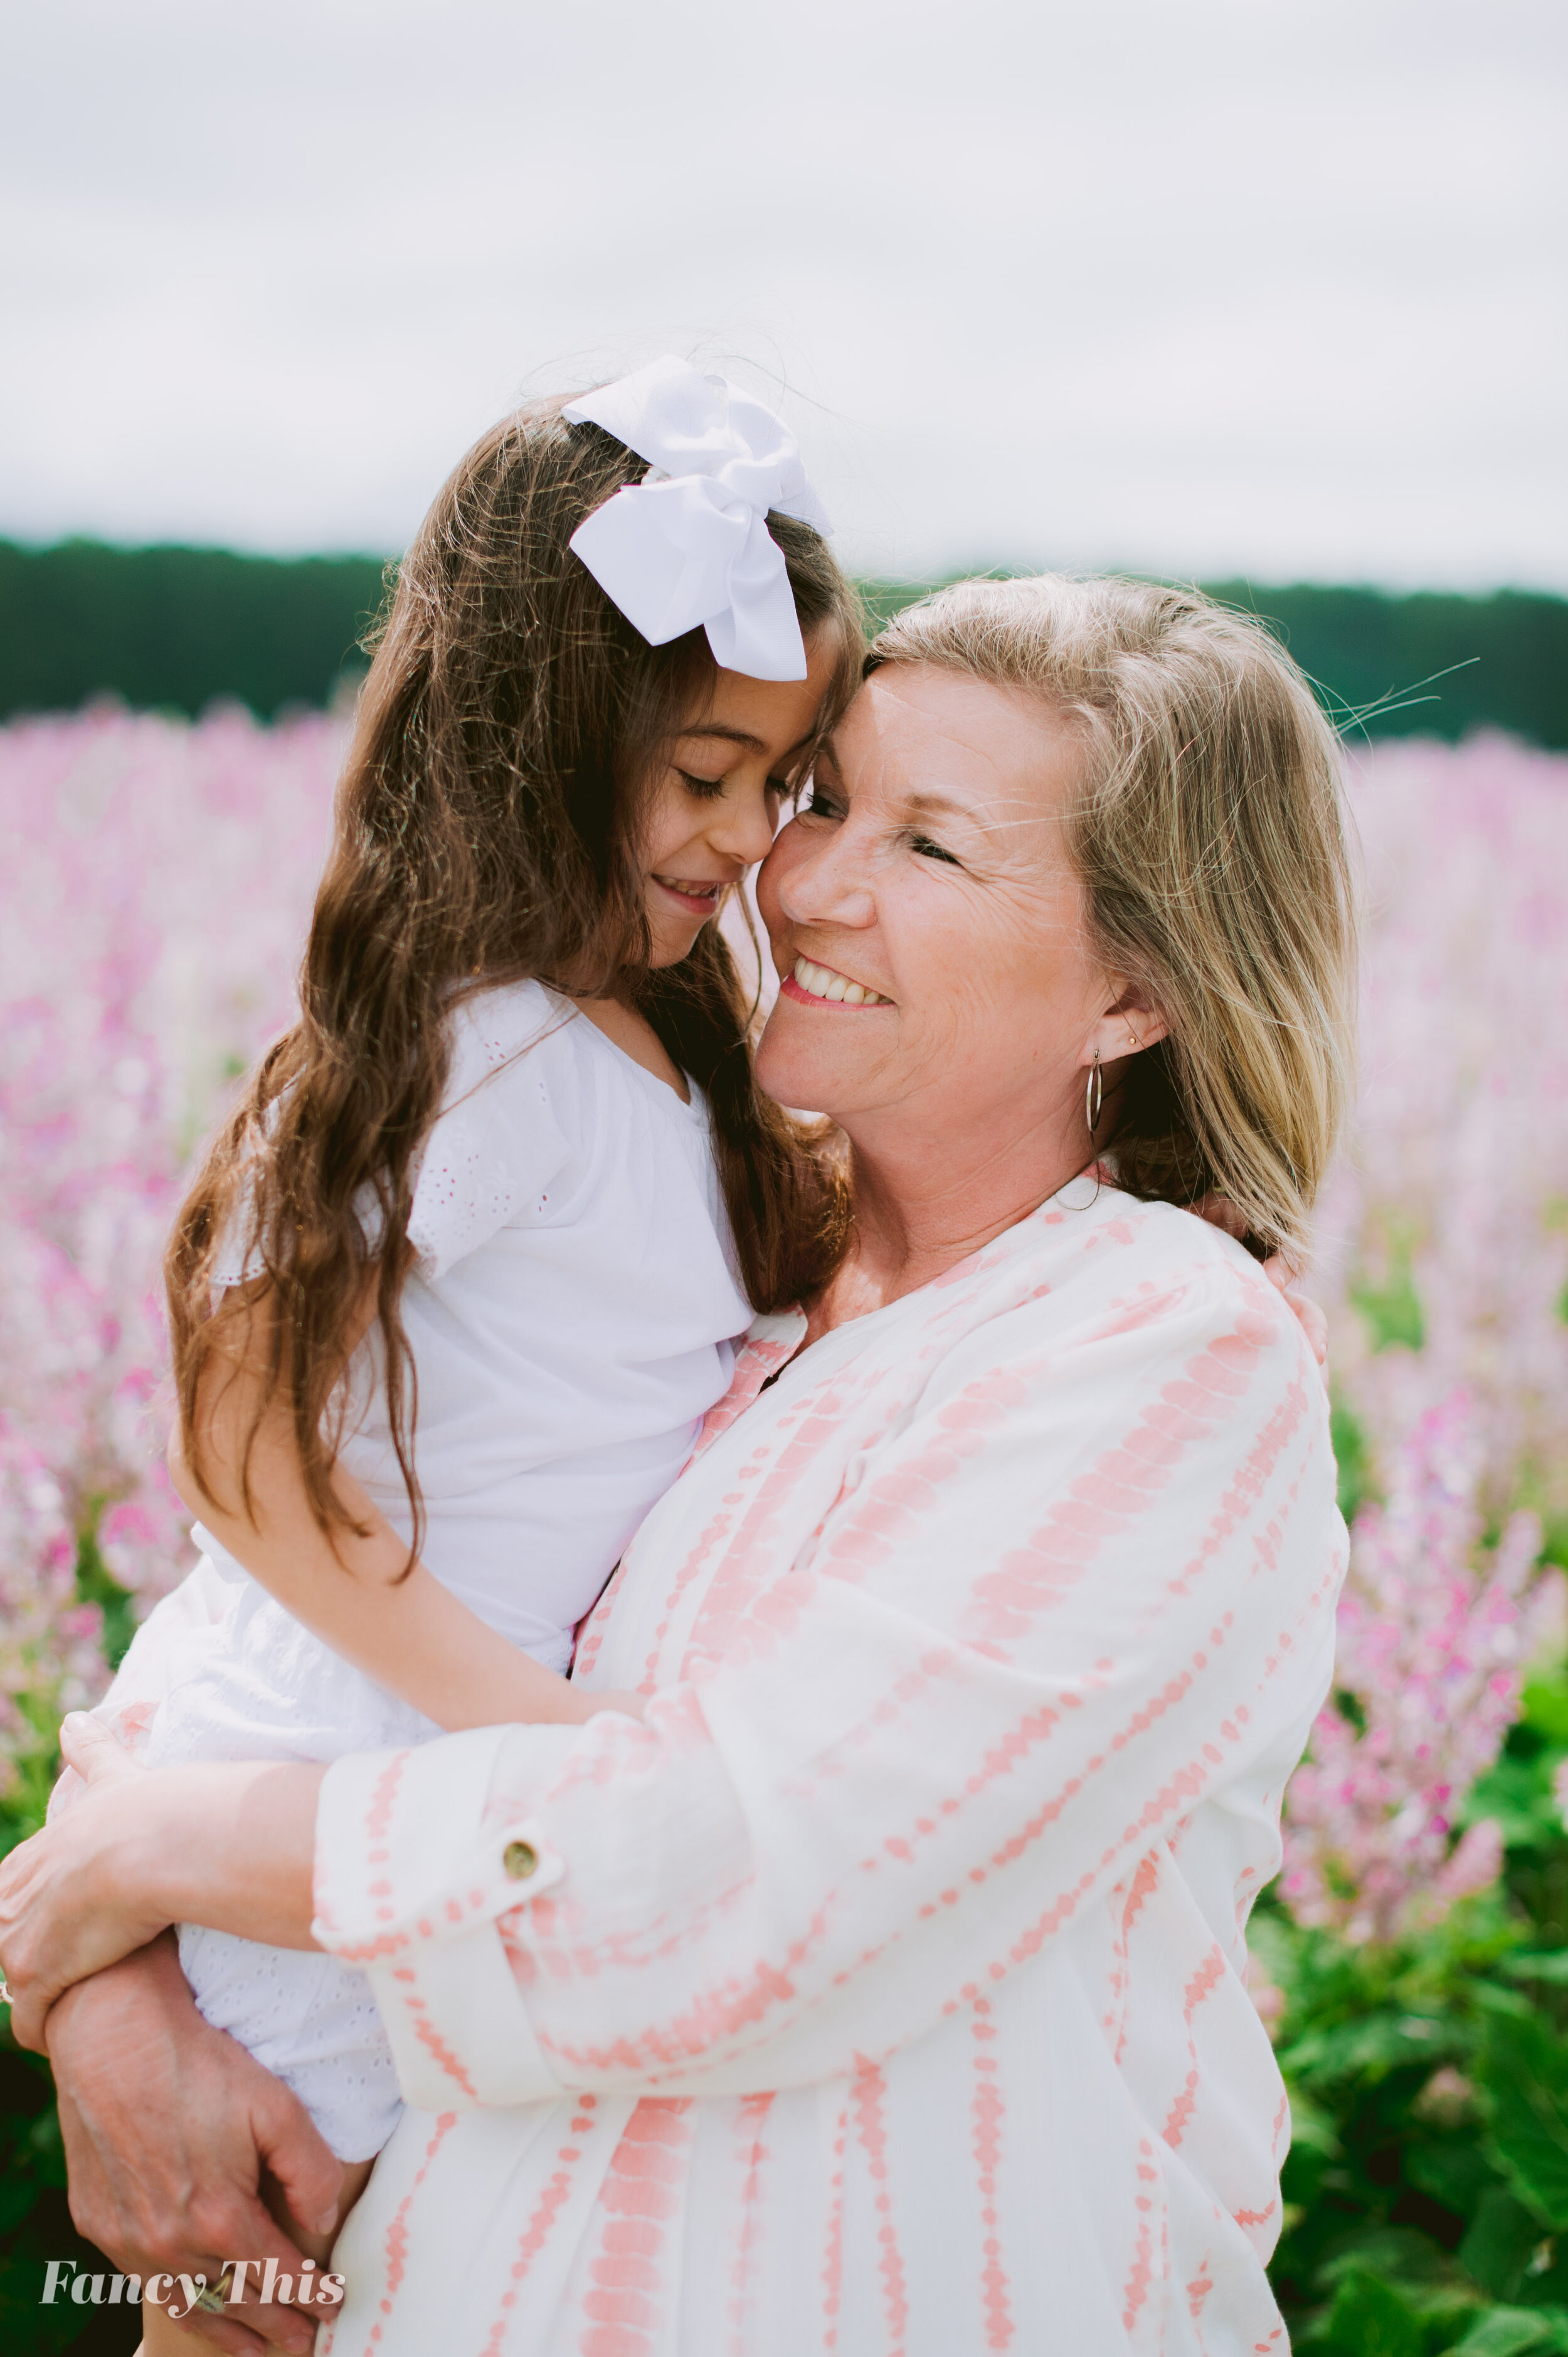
<point x="821" y="982"/>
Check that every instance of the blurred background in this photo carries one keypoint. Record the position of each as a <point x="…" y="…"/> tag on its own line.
<point x="1261" y="294"/>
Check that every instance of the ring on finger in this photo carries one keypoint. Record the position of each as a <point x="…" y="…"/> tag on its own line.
<point x="214" y="2296"/>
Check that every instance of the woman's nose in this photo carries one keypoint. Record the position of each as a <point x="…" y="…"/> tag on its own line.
<point x="821" y="878"/>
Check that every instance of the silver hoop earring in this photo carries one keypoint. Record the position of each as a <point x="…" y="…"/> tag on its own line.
<point x="1093" y="1096"/>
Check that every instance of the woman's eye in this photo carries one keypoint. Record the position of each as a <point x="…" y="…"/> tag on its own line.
<point x="929" y="850"/>
<point x="819" y="802"/>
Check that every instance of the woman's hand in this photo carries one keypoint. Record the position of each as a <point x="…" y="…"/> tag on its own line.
<point x="66" y="1907"/>
<point x="129" y="2048"/>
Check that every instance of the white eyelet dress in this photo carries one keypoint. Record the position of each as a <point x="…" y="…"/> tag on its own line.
<point x="570" y="1321"/>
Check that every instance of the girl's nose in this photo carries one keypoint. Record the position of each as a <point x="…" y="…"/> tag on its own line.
<point x="745" y="825"/>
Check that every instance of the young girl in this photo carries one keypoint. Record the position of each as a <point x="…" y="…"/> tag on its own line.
<point x="457" y="1286"/>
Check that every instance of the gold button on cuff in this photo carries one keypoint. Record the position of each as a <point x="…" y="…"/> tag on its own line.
<point x="520" y="1859"/>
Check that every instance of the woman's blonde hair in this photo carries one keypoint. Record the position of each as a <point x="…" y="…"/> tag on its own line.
<point x="1211" y="840"/>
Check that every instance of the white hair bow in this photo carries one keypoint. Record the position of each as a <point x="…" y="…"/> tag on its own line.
<point x="691" y="543"/>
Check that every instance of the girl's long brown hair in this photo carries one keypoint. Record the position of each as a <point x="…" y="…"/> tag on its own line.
<point x="486" y="833"/>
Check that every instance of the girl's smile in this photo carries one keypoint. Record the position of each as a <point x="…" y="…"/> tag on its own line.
<point x="713" y="811"/>
<point x="699" y="899"/>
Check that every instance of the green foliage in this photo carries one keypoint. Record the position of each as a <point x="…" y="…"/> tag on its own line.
<point x="1524" y="2064"/>
<point x="175" y="626"/>
<point x="1392" y="1310"/>
<point x="35" y="2216"/>
<point x="1426" y="2187"/>
<point x="95" y="1584"/>
<point x="1351" y="1455"/>
<point x="34" y="1763"/>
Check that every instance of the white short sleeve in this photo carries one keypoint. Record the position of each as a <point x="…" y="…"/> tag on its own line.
<point x="496" y="1143"/>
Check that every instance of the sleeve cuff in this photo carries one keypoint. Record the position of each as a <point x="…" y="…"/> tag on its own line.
<point x="410" y="1882"/>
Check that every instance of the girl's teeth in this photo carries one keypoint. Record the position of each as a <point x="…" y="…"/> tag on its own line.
<point x="836" y="988"/>
<point x="852" y="995"/>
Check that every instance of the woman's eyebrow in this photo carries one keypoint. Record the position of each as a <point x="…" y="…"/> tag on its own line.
<point x="925" y="802"/>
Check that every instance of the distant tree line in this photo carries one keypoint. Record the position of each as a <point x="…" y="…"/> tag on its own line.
<point x="176" y="627"/>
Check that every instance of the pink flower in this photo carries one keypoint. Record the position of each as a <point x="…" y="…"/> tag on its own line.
<point x="1434" y="1638"/>
<point x="154" y="897"/>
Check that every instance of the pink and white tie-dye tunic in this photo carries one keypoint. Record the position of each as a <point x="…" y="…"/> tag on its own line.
<point x="883" y="1992"/>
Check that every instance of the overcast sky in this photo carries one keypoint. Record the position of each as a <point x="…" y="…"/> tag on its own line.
<point x="1199" y="287"/>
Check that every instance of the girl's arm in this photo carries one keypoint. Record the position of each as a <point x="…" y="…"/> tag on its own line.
<point x="409" y="1633"/>
<point x="136" y="1850"/>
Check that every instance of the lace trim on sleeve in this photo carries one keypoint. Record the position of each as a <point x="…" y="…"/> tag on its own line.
<point x="496" y="1143"/>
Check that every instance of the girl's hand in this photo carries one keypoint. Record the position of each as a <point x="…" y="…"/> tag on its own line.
<point x="1221" y="1212"/>
<point x="66" y="1909"/>
<point x="588" y="1704"/>
<point x="1309" y="1313"/>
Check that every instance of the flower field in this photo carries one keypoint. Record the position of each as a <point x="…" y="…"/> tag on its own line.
<point x="1412" y="1961"/>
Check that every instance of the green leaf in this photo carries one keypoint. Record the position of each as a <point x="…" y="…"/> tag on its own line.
<point x="1368" y="2047"/>
<point x="1544" y="1705"/>
<point x="1392" y="1310"/>
<point x="1370" y="2320"/>
<point x="1550" y="1964"/>
<point x="1396" y="2254"/>
<point x="1501" y="2239"/>
<point x="1524" y="2069"/>
<point x="1455" y="2172"/>
<point x="17" y="2198"/>
<point x="95" y="1584"/>
<point x="1517" y="1793"/>
<point x="1510" y="2332"/>
<point x="1348" y="1440"/>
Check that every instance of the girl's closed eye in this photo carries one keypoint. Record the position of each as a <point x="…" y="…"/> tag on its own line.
<point x="710" y="789"/>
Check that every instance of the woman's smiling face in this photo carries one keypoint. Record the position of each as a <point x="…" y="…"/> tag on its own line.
<point x="929" y="924"/>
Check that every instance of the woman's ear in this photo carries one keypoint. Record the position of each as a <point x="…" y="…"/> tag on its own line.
<point x="1128" y="1024"/>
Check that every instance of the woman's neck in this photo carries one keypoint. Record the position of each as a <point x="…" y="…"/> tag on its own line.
<point x="918" y="1214"/>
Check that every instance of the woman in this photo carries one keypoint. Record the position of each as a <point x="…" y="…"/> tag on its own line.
<point x="882" y="1991"/>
